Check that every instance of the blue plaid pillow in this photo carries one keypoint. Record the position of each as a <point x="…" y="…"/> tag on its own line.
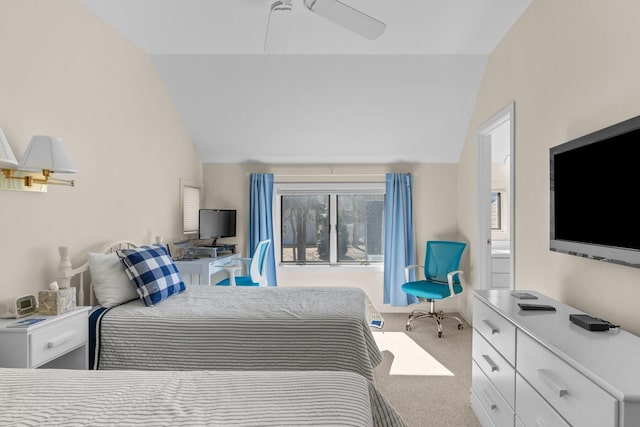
<point x="153" y="271"/>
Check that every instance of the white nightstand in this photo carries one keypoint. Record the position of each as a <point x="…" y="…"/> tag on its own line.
<point x="57" y="342"/>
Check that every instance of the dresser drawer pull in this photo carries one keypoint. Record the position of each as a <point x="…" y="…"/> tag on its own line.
<point x="559" y="390"/>
<point x="61" y="339"/>
<point x="492" y="365"/>
<point x="493" y="329"/>
<point x="488" y="400"/>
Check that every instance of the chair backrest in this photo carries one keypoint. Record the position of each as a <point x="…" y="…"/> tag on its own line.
<point x="256" y="268"/>
<point x="443" y="257"/>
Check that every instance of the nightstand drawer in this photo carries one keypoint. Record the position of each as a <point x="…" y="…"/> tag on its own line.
<point x="496" y="329"/>
<point x="57" y="339"/>
<point x="576" y="398"/>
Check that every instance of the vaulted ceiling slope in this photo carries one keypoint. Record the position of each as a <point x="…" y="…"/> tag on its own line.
<point x="332" y="96"/>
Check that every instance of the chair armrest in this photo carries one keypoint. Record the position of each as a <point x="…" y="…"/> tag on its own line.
<point x="450" y="275"/>
<point x="408" y="268"/>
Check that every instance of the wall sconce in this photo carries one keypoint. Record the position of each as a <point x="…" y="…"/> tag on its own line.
<point x="44" y="155"/>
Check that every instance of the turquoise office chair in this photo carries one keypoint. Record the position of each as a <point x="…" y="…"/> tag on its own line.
<point x="255" y="267"/>
<point x="442" y="280"/>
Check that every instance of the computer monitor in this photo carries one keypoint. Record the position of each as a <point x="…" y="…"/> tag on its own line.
<point x="216" y="223"/>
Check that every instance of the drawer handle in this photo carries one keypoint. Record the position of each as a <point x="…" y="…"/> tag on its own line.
<point x="559" y="390"/>
<point x="61" y="339"/>
<point x="492" y="365"/>
<point x="493" y="329"/>
<point x="488" y="400"/>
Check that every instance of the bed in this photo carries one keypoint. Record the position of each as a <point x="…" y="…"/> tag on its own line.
<point x="53" y="397"/>
<point x="233" y="328"/>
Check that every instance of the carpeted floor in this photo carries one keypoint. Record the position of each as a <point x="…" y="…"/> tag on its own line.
<point x="426" y="378"/>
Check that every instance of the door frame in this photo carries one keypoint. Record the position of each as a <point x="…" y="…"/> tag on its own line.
<point x="483" y="159"/>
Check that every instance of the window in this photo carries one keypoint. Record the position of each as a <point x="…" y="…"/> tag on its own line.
<point x="190" y="197"/>
<point x="330" y="224"/>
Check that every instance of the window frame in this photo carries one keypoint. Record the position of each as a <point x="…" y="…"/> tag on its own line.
<point x="332" y="189"/>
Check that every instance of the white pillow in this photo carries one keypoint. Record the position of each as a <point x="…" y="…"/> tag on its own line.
<point x="110" y="282"/>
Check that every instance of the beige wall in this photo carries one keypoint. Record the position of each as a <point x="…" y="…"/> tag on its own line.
<point x="65" y="73"/>
<point x="434" y="192"/>
<point x="571" y="67"/>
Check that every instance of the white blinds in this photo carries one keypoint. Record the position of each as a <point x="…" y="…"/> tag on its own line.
<point x="190" y="208"/>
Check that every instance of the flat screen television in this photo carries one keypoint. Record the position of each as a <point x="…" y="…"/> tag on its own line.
<point x="216" y="223"/>
<point x="594" y="185"/>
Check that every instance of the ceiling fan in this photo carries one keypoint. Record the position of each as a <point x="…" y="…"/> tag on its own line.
<point x="333" y="10"/>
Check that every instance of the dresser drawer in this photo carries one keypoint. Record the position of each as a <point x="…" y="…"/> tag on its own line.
<point x="50" y="342"/>
<point x="496" y="329"/>
<point x="576" y="398"/>
<point x="495" y="367"/>
<point x="490" y="400"/>
<point x="500" y="280"/>
<point x="532" y="409"/>
<point x="500" y="265"/>
<point x="482" y="416"/>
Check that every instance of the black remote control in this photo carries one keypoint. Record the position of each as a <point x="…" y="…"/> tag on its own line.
<point x="536" y="307"/>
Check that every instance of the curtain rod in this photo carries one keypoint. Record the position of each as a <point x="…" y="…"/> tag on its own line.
<point x="328" y="174"/>
<point x="323" y="175"/>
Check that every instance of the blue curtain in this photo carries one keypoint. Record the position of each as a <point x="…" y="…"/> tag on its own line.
<point x="260" y="219"/>
<point x="399" y="248"/>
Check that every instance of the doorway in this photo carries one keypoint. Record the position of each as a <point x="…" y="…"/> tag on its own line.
<point x="496" y="200"/>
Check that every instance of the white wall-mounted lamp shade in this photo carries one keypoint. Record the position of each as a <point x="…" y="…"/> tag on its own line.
<point x="47" y="153"/>
<point x="7" y="159"/>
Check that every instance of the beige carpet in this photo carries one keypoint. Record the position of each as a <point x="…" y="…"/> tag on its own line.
<point x="426" y="378"/>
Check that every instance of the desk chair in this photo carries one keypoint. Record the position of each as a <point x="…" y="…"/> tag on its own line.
<point x="255" y="266"/>
<point x="442" y="280"/>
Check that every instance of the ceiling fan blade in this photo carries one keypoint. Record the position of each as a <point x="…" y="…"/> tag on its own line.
<point x="278" y="27"/>
<point x="347" y="17"/>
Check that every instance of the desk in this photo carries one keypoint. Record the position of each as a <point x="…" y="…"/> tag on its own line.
<point x="203" y="268"/>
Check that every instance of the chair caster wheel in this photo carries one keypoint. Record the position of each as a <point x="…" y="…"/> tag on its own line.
<point x="460" y="327"/>
<point x="439" y="334"/>
<point x="407" y="328"/>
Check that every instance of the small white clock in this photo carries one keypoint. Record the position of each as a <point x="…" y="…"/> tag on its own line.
<point x="18" y="306"/>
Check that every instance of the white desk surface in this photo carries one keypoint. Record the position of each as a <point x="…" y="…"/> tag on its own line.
<point x="220" y="259"/>
<point x="609" y="358"/>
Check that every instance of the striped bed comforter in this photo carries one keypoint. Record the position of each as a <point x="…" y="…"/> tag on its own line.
<point x="238" y="328"/>
<point x="55" y="397"/>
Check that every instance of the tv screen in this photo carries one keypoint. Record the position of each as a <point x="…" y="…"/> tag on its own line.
<point x="216" y="223"/>
<point x="594" y="180"/>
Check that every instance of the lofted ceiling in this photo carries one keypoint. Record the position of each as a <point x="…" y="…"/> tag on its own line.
<point x="332" y="96"/>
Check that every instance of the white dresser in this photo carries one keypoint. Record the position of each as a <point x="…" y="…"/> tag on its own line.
<point x="537" y="369"/>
